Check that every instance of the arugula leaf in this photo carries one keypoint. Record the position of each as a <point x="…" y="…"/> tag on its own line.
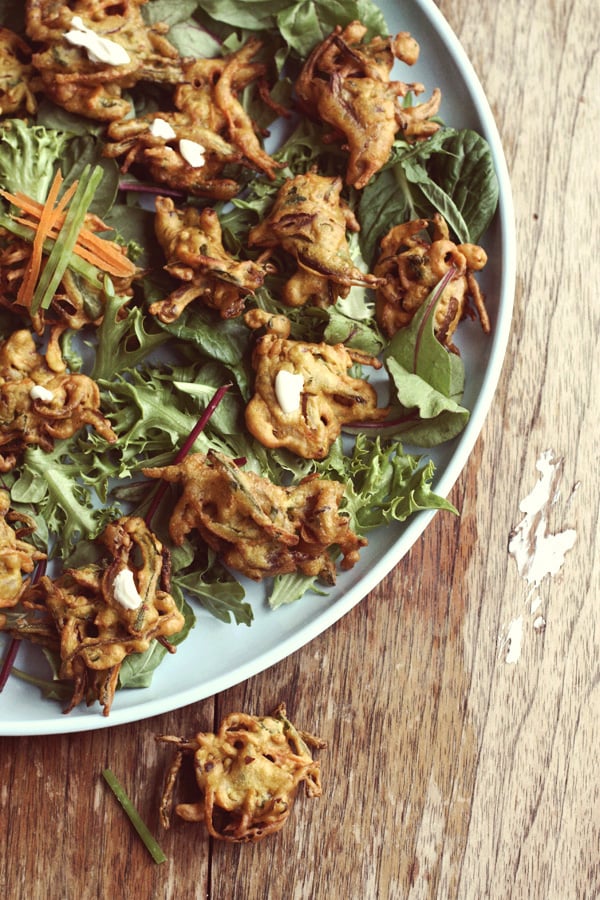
<point x="287" y="589"/>
<point x="140" y="404"/>
<point x="222" y="599"/>
<point x="50" y="688"/>
<point x="123" y="339"/>
<point x="228" y="343"/>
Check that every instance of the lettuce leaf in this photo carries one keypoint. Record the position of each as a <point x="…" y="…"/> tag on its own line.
<point x="47" y="482"/>
<point x="30" y="155"/>
<point x="383" y="483"/>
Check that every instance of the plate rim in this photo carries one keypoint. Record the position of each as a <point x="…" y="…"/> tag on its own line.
<point x="89" y="719"/>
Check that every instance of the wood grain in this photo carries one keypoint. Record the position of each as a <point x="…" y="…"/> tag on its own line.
<point x="449" y="772"/>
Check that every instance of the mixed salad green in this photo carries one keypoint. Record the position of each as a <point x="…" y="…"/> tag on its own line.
<point x="156" y="380"/>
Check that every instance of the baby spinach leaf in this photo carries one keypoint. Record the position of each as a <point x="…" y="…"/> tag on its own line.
<point x="464" y="169"/>
<point x="305" y="24"/>
<point x="137" y="669"/>
<point x="451" y="173"/>
<point x="168" y="12"/>
<point x="439" y="417"/>
<point x="254" y="15"/>
<point x="429" y="380"/>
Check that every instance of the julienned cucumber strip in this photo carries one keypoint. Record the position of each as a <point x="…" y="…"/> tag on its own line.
<point x="60" y="256"/>
<point x="77" y="264"/>
<point x="136" y="820"/>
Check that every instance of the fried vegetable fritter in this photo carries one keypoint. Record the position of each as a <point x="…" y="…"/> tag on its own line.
<point x="40" y="402"/>
<point x="256" y="527"/>
<point x="209" y="114"/>
<point x="326" y="397"/>
<point x="345" y="83"/>
<point x="309" y="220"/>
<point x="412" y="262"/>
<point x="17" y="556"/>
<point x="83" y="82"/>
<point x="92" y="621"/>
<point x="192" y="243"/>
<point x="248" y="773"/>
<point x="19" y="82"/>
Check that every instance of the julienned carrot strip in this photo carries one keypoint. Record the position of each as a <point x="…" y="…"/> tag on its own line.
<point x="47" y="218"/>
<point x="58" y="261"/>
<point x="105" y="251"/>
<point x="102" y="254"/>
<point x="48" y="221"/>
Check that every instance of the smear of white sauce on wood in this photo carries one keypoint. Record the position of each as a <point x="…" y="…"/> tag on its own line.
<point x="513" y="641"/>
<point x="537" y="552"/>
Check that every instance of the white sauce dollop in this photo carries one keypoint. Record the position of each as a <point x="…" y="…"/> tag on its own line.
<point x="39" y="392"/>
<point x="99" y="49"/>
<point x="125" y="591"/>
<point x="192" y="152"/>
<point x="288" y="390"/>
<point x="162" y="129"/>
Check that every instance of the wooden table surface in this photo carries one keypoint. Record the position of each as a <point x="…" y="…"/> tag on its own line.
<point x="458" y="765"/>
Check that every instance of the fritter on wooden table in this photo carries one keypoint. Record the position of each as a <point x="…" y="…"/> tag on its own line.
<point x="248" y="773"/>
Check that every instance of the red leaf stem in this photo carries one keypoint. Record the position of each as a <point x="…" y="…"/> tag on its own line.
<point x="13" y="648"/>
<point x="187" y="446"/>
<point x="9" y="661"/>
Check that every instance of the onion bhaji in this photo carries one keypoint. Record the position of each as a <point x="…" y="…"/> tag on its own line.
<point x="17" y="556"/>
<point x="19" y="82"/>
<point x="40" y="401"/>
<point x="256" y="527"/>
<point x="192" y="243"/>
<point x="328" y="396"/>
<point x="309" y="220"/>
<point x="207" y="112"/>
<point x="411" y="263"/>
<point x="345" y="83"/>
<point x="248" y="774"/>
<point x="81" y="616"/>
<point x="90" y="87"/>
